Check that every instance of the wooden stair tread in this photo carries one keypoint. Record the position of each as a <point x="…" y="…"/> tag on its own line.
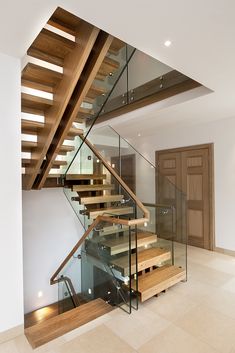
<point x="116" y="45"/>
<point x="109" y="211"/>
<point x="39" y="54"/>
<point x="95" y="91"/>
<point x="146" y="259"/>
<point x="66" y="148"/>
<point x="100" y="199"/>
<point x="85" y="176"/>
<point x="27" y="146"/>
<point x="41" y="78"/>
<point x="64" y="21"/>
<point x="30" y="102"/>
<point x="108" y="66"/>
<point x="154" y="282"/>
<point x="51" y="47"/>
<point x="121" y="244"/>
<point x="73" y="132"/>
<point x="112" y="230"/>
<point x="27" y="162"/>
<point x="93" y="187"/>
<point x="54" y="327"/>
<point x="31" y="127"/>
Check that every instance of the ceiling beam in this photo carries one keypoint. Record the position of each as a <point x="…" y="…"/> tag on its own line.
<point x="91" y="69"/>
<point x="74" y="64"/>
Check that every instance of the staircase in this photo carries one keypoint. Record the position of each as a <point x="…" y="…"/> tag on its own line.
<point x="151" y="263"/>
<point x="128" y="252"/>
<point x="53" y="67"/>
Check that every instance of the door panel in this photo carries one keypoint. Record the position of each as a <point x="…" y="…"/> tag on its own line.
<point x="189" y="169"/>
<point x="195" y="183"/>
<point x="167" y="194"/>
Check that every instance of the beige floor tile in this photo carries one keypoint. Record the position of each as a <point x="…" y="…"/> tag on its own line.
<point x="208" y="275"/>
<point x="23" y="345"/>
<point x="210" y="326"/>
<point x="8" y="347"/>
<point x="175" y="340"/>
<point x="226" y="264"/>
<point x="222" y="301"/>
<point x="230" y="285"/>
<point x="98" y="340"/>
<point x="137" y="328"/>
<point x="170" y="305"/>
<point x="193" y="290"/>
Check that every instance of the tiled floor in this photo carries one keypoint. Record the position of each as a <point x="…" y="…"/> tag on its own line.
<point x="193" y="317"/>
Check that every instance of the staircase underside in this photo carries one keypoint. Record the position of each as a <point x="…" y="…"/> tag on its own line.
<point x="72" y="61"/>
<point x="57" y="326"/>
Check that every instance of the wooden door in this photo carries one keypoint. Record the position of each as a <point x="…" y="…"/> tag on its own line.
<point x="128" y="171"/>
<point x="195" y="184"/>
<point x="191" y="170"/>
<point x="168" y="193"/>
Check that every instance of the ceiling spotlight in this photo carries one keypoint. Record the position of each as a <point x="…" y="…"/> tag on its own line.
<point x="139" y="134"/>
<point x="167" y="43"/>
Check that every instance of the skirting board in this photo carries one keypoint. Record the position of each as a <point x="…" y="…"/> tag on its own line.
<point x="11" y="333"/>
<point x="225" y="251"/>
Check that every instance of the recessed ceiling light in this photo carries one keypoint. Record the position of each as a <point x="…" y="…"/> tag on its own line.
<point x="139" y="134"/>
<point x="167" y="43"/>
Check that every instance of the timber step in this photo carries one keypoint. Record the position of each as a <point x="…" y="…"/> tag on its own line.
<point x="26" y="162"/>
<point x="29" y="146"/>
<point x="100" y="199"/>
<point x="109" y="211"/>
<point x="118" y="245"/>
<point x="107" y="68"/>
<point x="146" y="259"/>
<point x="65" y="148"/>
<point x="93" y="187"/>
<point x="57" y="326"/>
<point x="64" y="21"/>
<point x="113" y="230"/>
<point x="51" y="47"/>
<point x="40" y="78"/>
<point x="116" y="46"/>
<point x="96" y="91"/>
<point x="34" y="104"/>
<point x="73" y="132"/>
<point x="158" y="280"/>
<point x="31" y="127"/>
<point x="83" y="114"/>
<point x="85" y="176"/>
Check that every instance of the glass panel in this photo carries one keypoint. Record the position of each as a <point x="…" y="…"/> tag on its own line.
<point x="106" y="264"/>
<point x="166" y="203"/>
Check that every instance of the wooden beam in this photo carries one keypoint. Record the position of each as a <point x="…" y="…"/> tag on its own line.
<point x="73" y="66"/>
<point x="96" y="58"/>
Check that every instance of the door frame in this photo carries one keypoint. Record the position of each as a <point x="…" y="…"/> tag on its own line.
<point x="210" y="147"/>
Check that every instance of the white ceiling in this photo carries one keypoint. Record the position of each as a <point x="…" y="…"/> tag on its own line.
<point x="203" y="44"/>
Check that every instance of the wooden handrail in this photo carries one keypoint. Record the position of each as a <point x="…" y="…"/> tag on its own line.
<point x="98" y="219"/>
<point x="108" y="219"/>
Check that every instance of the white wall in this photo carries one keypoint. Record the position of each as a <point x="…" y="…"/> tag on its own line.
<point x="50" y="230"/>
<point x="11" y="293"/>
<point x="222" y="134"/>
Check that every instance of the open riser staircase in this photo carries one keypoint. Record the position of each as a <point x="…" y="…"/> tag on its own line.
<point x="130" y="250"/>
